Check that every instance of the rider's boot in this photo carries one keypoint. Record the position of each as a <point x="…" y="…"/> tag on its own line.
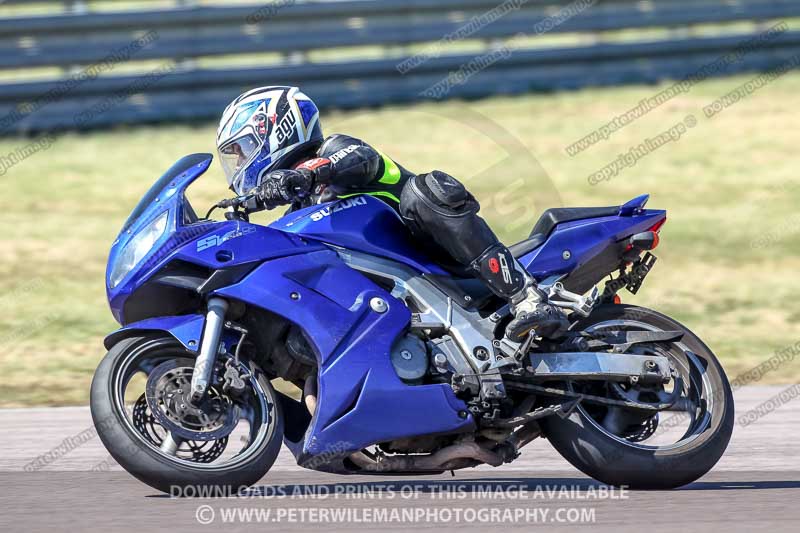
<point x="508" y="279"/>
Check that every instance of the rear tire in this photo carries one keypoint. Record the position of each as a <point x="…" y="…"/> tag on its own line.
<point x="146" y="462"/>
<point x="579" y="440"/>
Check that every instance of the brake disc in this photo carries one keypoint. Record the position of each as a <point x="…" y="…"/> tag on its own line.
<point x="643" y="431"/>
<point x="191" y="450"/>
<point x="639" y="430"/>
<point x="168" y="394"/>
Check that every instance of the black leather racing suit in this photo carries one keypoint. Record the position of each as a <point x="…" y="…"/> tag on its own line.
<point x="440" y="213"/>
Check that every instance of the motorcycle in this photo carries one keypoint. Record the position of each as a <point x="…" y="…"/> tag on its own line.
<point x="398" y="364"/>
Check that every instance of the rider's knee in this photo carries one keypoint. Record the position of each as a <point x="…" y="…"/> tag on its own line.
<point x="439" y="192"/>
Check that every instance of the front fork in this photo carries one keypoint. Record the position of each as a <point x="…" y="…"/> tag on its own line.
<point x="212" y="332"/>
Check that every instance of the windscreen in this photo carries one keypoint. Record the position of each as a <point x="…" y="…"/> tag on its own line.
<point x="162" y="183"/>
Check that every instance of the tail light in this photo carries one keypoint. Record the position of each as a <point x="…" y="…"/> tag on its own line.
<point x="646" y="240"/>
<point x="657" y="226"/>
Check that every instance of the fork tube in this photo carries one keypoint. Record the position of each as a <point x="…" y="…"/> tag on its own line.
<point x="212" y="332"/>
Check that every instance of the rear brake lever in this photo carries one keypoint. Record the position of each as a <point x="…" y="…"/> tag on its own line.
<point x="582" y="305"/>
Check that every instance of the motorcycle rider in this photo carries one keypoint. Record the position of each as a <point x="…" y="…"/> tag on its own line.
<point x="271" y="145"/>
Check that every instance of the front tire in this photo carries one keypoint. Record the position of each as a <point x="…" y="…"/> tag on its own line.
<point x="582" y="441"/>
<point x="144" y="460"/>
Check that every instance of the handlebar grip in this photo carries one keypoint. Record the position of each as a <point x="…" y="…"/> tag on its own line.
<point x="234" y="202"/>
<point x="224" y="204"/>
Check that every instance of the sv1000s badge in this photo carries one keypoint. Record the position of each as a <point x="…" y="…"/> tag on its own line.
<point x="217" y="240"/>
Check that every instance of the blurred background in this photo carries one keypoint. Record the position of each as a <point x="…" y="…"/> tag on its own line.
<point x="533" y="104"/>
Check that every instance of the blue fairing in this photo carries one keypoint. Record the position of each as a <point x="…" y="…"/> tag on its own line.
<point x="186" y="329"/>
<point x="584" y="239"/>
<point x="208" y="244"/>
<point x="362" y="223"/>
<point x="166" y="195"/>
<point x="358" y="387"/>
<point x="292" y="270"/>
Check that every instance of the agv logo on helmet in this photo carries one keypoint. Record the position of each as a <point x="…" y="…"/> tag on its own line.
<point x="286" y="127"/>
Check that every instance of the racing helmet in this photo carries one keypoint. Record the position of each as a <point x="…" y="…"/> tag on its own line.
<point x="266" y="129"/>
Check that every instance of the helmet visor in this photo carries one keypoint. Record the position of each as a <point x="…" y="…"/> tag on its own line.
<point x="235" y="156"/>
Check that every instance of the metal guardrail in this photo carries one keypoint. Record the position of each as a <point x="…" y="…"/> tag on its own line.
<point x="183" y="92"/>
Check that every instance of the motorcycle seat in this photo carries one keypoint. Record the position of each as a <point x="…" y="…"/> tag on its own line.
<point x="528" y="245"/>
<point x="558" y="215"/>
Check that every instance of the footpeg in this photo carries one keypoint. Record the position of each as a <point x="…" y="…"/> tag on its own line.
<point x="583" y="305"/>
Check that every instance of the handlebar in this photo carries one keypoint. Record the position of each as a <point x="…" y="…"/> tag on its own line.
<point x="228" y="203"/>
<point x="238" y="201"/>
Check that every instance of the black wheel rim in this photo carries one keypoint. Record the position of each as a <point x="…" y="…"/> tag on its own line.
<point x="256" y="410"/>
<point x="697" y="403"/>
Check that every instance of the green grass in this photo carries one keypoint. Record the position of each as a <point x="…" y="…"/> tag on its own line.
<point x="728" y="181"/>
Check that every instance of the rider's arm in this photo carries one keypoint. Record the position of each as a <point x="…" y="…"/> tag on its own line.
<point x="346" y="162"/>
<point x="342" y="162"/>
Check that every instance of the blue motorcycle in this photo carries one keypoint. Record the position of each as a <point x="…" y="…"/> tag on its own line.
<point x="398" y="365"/>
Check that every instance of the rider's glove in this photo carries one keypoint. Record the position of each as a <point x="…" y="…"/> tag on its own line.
<point x="281" y="187"/>
<point x="322" y="167"/>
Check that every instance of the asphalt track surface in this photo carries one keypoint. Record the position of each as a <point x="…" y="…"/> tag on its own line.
<point x="755" y="487"/>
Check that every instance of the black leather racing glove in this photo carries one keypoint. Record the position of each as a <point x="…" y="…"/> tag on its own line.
<point x="281" y="187"/>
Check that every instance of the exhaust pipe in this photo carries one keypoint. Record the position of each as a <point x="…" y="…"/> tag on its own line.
<point x="441" y="460"/>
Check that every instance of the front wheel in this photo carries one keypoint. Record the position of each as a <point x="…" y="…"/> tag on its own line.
<point x="140" y="407"/>
<point x="661" y="451"/>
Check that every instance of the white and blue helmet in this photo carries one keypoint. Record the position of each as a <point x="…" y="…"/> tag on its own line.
<point x="266" y="129"/>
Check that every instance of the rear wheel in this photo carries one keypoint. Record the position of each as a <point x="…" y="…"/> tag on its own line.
<point x="142" y="414"/>
<point x="666" y="450"/>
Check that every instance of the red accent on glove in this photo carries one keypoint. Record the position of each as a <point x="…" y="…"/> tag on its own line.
<point x="494" y="265"/>
<point x="313" y="164"/>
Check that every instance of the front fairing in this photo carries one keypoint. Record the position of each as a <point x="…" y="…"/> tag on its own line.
<point x="167" y="195"/>
<point x="203" y="246"/>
